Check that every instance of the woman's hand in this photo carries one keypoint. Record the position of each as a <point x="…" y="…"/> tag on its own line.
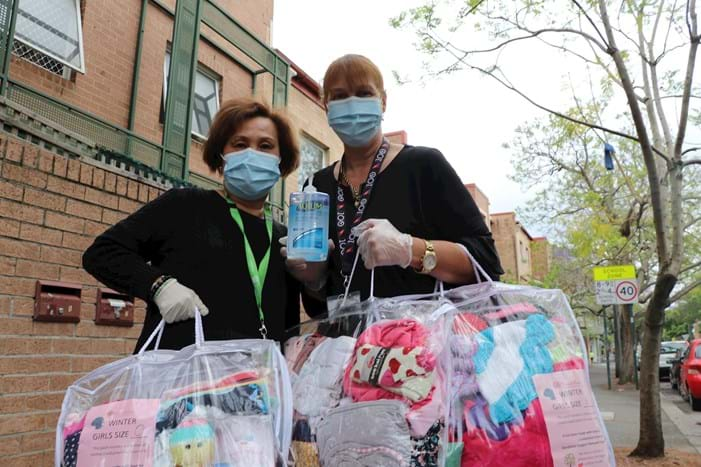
<point x="381" y="244"/>
<point x="311" y="274"/>
<point x="177" y="302"/>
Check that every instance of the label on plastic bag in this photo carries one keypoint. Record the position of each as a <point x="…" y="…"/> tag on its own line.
<point x="572" y="419"/>
<point x="119" y="434"/>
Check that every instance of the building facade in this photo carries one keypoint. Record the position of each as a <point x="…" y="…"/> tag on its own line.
<point x="104" y="105"/>
<point x="523" y="257"/>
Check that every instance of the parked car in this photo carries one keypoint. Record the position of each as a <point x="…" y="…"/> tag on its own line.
<point x="690" y="376"/>
<point x="676" y="363"/>
<point x="668" y="350"/>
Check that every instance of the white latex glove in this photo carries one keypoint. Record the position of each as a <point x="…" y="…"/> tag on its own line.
<point x="381" y="244"/>
<point x="311" y="274"/>
<point x="177" y="302"/>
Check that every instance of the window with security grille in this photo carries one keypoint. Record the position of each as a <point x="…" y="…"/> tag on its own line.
<point x="313" y="158"/>
<point x="205" y="100"/>
<point x="51" y="33"/>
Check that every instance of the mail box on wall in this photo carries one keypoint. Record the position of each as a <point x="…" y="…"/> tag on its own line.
<point x="114" y="308"/>
<point x="57" y="302"/>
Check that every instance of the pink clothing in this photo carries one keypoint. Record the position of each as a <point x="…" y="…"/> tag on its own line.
<point x="526" y="444"/>
<point x="517" y="309"/>
<point x="574" y="363"/>
<point x="410" y="339"/>
<point x="73" y="427"/>
<point x="468" y="323"/>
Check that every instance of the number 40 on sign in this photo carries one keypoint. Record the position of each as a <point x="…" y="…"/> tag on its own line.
<point x="616" y="285"/>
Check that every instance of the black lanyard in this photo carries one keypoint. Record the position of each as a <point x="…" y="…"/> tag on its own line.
<point x="346" y="238"/>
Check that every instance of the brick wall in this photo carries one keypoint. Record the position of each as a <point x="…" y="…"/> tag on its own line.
<point x="51" y="208"/>
<point x="503" y="231"/>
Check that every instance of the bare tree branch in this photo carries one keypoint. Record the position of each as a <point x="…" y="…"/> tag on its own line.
<point x="692" y="162"/>
<point x="683" y="292"/>
<point x="586" y="15"/>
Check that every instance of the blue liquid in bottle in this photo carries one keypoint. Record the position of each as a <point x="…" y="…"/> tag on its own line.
<point x="308" y="225"/>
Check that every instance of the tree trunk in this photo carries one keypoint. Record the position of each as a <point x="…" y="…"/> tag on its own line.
<point x="625" y="374"/>
<point x="651" y="441"/>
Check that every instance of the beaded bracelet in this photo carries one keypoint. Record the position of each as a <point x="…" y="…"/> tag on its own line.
<point x="157" y="285"/>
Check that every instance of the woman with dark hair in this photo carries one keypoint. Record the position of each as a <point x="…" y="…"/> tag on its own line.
<point x="214" y="250"/>
<point x="402" y="208"/>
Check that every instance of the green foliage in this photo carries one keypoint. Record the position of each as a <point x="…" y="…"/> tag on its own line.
<point x="678" y="320"/>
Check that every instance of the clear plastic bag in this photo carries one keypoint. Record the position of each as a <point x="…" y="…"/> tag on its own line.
<point x="520" y="389"/>
<point x="211" y="403"/>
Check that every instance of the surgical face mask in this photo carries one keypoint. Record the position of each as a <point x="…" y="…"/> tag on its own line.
<point x="250" y="174"/>
<point x="356" y="120"/>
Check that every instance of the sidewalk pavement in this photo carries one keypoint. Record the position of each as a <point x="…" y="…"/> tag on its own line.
<point x="620" y="409"/>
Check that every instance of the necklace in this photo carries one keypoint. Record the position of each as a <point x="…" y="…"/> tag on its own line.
<point x="354" y="190"/>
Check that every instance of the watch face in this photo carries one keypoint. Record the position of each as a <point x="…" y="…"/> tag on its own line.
<point x="430" y="262"/>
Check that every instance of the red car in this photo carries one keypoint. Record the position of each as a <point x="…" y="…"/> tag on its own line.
<point x="690" y="375"/>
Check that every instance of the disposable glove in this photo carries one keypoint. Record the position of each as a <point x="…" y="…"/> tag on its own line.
<point x="311" y="274"/>
<point x="177" y="302"/>
<point x="381" y="244"/>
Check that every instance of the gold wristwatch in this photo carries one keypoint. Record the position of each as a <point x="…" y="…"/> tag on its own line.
<point x="429" y="260"/>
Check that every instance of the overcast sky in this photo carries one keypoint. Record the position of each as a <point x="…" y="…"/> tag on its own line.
<point x="466" y="116"/>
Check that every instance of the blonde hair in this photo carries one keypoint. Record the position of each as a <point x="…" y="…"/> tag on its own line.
<point x="355" y="69"/>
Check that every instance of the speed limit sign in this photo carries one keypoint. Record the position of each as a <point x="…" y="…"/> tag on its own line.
<point x="627" y="291"/>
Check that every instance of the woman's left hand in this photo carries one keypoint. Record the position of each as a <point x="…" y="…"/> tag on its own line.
<point x="381" y="244"/>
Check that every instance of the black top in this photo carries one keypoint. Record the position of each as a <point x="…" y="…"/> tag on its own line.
<point x="190" y="235"/>
<point x="420" y="194"/>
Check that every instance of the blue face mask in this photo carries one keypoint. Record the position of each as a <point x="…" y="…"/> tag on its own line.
<point x="356" y="120"/>
<point x="250" y="174"/>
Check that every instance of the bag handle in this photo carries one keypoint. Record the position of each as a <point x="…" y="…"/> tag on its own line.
<point x="158" y="334"/>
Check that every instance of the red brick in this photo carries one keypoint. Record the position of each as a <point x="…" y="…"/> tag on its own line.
<point x="76" y="242"/>
<point x="17" y="286"/>
<point x="101" y="198"/>
<point x="110" y="182"/>
<point x="121" y="186"/>
<point x="98" y="178"/>
<point x="61" y="256"/>
<point x="16" y="326"/>
<point x="18" y="249"/>
<point x="50" y="401"/>
<point x="21" y="212"/>
<point x="25" y="175"/>
<point x="87" y="311"/>
<point x="35" y="233"/>
<point x="37" y="441"/>
<point x="9" y="228"/>
<point x="60" y="166"/>
<point x="128" y="206"/>
<point x="112" y="217"/>
<point x="95" y="228"/>
<point x="7" y="265"/>
<point x="10" y="446"/>
<point x="84" y="210"/>
<point x="31" y="156"/>
<point x="73" y="172"/>
<point x="19" y="365"/>
<point x="86" y="174"/>
<point x="64" y="187"/>
<point x="22" y="423"/>
<point x="44" y="199"/>
<point x="5" y="306"/>
<point x="14" y="150"/>
<point x="132" y="189"/>
<point x="90" y="329"/>
<point x="30" y="460"/>
<point x="77" y="276"/>
<point x="11" y="191"/>
<point x="143" y="193"/>
<point x="22" y="306"/>
<point x="37" y="270"/>
<point x="61" y="382"/>
<point x="46" y="161"/>
<point x="18" y="384"/>
<point x="42" y="328"/>
<point x="86" y="364"/>
<point x="63" y="222"/>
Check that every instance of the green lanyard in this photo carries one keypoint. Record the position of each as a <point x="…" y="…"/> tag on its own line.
<point x="256" y="271"/>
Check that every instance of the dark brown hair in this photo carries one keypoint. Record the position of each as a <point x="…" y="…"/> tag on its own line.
<point x="229" y="119"/>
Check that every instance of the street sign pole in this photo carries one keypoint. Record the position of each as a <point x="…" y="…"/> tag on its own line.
<point x="617" y="339"/>
<point x="606" y="348"/>
<point x="632" y="337"/>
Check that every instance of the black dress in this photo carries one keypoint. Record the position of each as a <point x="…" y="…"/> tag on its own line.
<point x="190" y="235"/>
<point x="420" y="194"/>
